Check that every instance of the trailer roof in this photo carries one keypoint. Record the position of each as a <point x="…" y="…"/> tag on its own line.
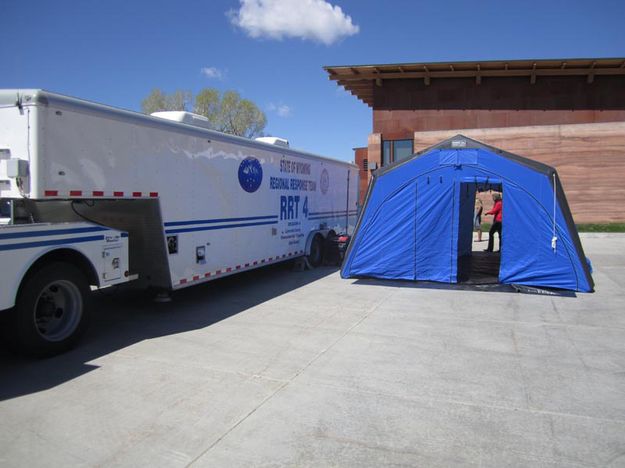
<point x="30" y="97"/>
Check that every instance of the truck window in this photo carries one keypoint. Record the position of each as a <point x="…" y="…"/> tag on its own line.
<point x="5" y="208"/>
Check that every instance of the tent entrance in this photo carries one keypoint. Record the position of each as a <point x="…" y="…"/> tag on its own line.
<point x="475" y="266"/>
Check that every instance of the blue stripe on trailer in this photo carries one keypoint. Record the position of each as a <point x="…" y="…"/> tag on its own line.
<point x="48" y="232"/>
<point x="212" y="228"/>
<point x="218" y="220"/>
<point x="333" y="213"/>
<point x="28" y="245"/>
<point x="325" y="212"/>
<point x="328" y="216"/>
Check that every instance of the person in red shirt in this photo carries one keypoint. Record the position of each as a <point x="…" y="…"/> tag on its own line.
<point x="496" y="226"/>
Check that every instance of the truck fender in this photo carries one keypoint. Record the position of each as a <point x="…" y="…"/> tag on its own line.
<point x="67" y="254"/>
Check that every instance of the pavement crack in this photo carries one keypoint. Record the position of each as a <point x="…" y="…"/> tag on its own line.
<point x="285" y="384"/>
<point x="515" y="345"/>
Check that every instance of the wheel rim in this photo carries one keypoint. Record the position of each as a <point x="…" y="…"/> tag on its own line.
<point x="58" y="310"/>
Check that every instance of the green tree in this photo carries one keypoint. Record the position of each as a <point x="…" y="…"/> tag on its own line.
<point x="156" y="101"/>
<point x="241" y="116"/>
<point x="208" y="104"/>
<point x="179" y="100"/>
<point x="251" y="121"/>
<point x="226" y="112"/>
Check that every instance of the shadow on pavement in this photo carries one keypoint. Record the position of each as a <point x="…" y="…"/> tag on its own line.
<point x="123" y="318"/>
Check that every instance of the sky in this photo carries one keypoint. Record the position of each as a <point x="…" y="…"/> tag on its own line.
<point x="272" y="51"/>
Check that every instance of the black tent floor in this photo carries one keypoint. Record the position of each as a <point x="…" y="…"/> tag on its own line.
<point x="479" y="268"/>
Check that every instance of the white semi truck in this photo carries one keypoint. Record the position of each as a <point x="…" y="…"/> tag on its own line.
<point x="93" y="196"/>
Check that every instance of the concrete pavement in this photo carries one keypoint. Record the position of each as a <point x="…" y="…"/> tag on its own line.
<point x="275" y="368"/>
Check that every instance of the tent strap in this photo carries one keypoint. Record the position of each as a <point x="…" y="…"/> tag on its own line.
<point x="554" y="238"/>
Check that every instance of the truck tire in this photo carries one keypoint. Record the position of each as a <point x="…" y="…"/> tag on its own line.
<point x="315" y="257"/>
<point x="51" y="311"/>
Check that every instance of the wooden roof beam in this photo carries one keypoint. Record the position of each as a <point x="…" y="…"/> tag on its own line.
<point x="355" y="82"/>
<point x="591" y="73"/>
<point x="533" y="75"/>
<point x="361" y="88"/>
<point x="478" y="76"/>
<point x="359" y="81"/>
<point x="426" y="78"/>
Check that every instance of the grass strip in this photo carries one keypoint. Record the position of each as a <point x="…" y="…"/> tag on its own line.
<point x="585" y="227"/>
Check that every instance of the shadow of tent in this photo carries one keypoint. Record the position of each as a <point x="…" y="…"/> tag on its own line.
<point x="127" y="317"/>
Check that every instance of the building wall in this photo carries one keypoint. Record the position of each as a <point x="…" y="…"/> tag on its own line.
<point x="404" y="106"/>
<point x="590" y="159"/>
<point x="567" y="122"/>
<point x="364" y="174"/>
<point x="400" y="124"/>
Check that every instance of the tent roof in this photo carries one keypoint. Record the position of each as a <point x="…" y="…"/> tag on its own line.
<point x="462" y="142"/>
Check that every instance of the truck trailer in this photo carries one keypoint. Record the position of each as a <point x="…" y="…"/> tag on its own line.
<point x="93" y="196"/>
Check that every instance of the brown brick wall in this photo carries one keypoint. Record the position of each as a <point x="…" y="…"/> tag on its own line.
<point x="564" y="121"/>
<point x="547" y="93"/>
<point x="361" y="154"/>
<point x="405" y="106"/>
<point x="400" y="124"/>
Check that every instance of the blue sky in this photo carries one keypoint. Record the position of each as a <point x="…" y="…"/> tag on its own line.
<point x="272" y="51"/>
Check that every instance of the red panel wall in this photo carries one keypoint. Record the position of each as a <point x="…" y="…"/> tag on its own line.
<point x="364" y="175"/>
<point x="401" y="124"/>
<point x="402" y="107"/>
<point x="539" y="121"/>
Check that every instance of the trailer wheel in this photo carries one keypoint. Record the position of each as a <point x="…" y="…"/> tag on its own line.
<point x="51" y="311"/>
<point x="315" y="256"/>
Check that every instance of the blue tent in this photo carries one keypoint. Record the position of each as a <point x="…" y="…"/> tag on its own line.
<point x="416" y="222"/>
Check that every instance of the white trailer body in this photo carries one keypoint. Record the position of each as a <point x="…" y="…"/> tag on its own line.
<point x="196" y="204"/>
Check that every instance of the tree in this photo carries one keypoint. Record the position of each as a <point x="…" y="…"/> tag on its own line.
<point x="241" y="116"/>
<point x="251" y="121"/>
<point x="208" y="104"/>
<point x="157" y="101"/>
<point x="226" y="112"/>
<point x="179" y="100"/>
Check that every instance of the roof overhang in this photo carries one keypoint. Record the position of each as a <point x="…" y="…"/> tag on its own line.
<point x="361" y="80"/>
